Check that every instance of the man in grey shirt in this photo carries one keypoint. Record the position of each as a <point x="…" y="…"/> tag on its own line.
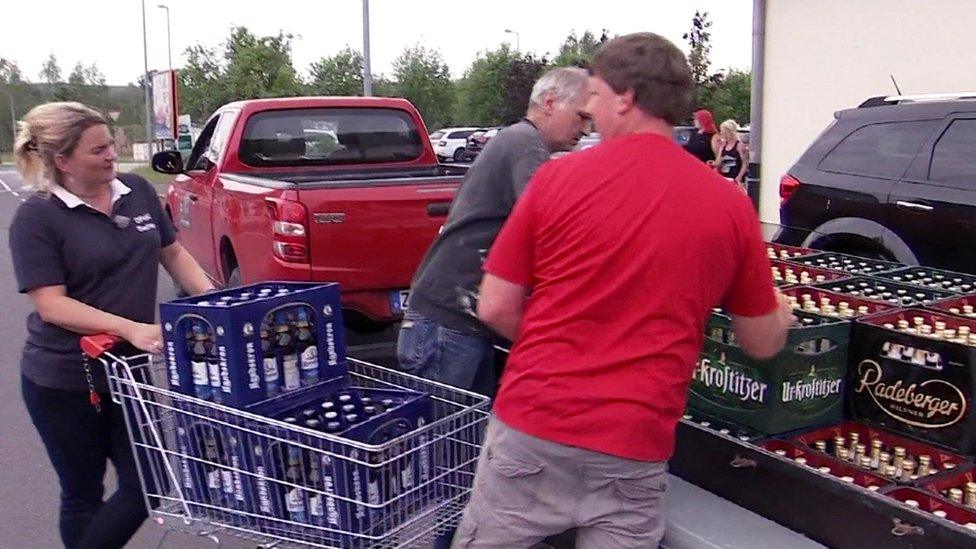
<point x="441" y="337"/>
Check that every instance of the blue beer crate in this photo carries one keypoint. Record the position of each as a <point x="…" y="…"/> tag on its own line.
<point x="353" y="482"/>
<point x="239" y="362"/>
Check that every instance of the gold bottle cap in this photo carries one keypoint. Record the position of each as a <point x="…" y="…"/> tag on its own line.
<point x="939" y="513"/>
<point x="824" y="470"/>
<point x="902" y="324"/>
<point x="847" y="479"/>
<point x="876" y="443"/>
<point x="948" y="465"/>
<point x="954" y="310"/>
<point x="890" y="470"/>
<point x="911" y="503"/>
<point x="866" y="462"/>
<point x="900" y="451"/>
<point x="918" y="320"/>
<point x="780" y="452"/>
<point x="874" y="487"/>
<point x="800" y="460"/>
<point x="971" y="487"/>
<point x="955" y="494"/>
<point x="860" y="448"/>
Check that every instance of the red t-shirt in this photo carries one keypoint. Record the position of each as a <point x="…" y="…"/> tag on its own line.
<point x="626" y="248"/>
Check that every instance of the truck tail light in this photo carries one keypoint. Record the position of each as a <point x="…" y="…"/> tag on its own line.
<point x="787" y="186"/>
<point x="289" y="228"/>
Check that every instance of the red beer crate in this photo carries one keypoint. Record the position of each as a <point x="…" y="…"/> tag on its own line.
<point x="783" y="270"/>
<point x="835" y="299"/>
<point x="848" y="263"/>
<point x="941" y="462"/>
<point x="957" y="515"/>
<point x="942" y="486"/>
<point x="879" y="289"/>
<point x="920" y="384"/>
<point x="783" y="251"/>
<point x="827" y="465"/>
<point x="935" y="279"/>
<point x="961" y="306"/>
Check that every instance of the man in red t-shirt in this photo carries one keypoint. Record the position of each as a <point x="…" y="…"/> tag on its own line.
<point x="604" y="276"/>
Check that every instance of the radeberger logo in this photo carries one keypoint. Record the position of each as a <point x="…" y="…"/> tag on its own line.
<point x="931" y="404"/>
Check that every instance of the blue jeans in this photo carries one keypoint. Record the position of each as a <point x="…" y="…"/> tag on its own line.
<point x="428" y="349"/>
<point x="80" y="442"/>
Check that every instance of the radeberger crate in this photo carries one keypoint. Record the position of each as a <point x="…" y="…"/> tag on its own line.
<point x="961" y="305"/>
<point x="827" y="465"/>
<point x="959" y="517"/>
<point x="957" y="489"/>
<point x="786" y="273"/>
<point x="934" y="279"/>
<point x="913" y="371"/>
<point x="847" y="263"/>
<point x="800" y="387"/>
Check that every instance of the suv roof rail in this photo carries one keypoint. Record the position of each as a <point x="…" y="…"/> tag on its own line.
<point x="921" y="97"/>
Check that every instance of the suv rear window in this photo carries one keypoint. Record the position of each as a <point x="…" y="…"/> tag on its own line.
<point x="318" y="137"/>
<point x="954" y="157"/>
<point x="879" y="150"/>
<point x="462" y="134"/>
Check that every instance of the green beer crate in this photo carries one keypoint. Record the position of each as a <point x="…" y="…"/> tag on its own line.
<point x="799" y="388"/>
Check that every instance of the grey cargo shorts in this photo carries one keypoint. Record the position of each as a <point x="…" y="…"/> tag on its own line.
<point x="527" y="489"/>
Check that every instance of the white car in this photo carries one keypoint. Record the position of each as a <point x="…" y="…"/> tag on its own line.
<point x="449" y="143"/>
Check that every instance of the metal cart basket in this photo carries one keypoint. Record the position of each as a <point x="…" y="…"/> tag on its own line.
<point x="213" y="470"/>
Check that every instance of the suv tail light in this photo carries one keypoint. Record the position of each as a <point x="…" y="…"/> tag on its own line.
<point x="787" y="186"/>
<point x="289" y="230"/>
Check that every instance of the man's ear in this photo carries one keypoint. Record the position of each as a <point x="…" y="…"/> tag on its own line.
<point x="549" y="105"/>
<point x="624" y="101"/>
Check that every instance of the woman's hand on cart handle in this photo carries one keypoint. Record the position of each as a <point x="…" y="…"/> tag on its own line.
<point x="145" y="337"/>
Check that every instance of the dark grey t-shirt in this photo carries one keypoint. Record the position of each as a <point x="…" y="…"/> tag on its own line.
<point x="108" y="262"/>
<point x="446" y="284"/>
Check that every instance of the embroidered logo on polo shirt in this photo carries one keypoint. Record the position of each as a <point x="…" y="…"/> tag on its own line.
<point x="144" y="222"/>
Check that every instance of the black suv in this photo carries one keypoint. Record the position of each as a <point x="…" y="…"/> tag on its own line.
<point x="894" y="178"/>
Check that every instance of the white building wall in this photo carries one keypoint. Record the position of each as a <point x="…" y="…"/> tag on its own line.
<point x="822" y="56"/>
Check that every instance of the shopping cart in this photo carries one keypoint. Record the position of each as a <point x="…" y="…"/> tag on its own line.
<point x="212" y="470"/>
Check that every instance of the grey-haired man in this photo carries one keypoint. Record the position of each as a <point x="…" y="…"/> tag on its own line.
<point x="441" y="337"/>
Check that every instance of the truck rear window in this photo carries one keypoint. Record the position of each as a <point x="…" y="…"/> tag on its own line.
<point x="329" y="136"/>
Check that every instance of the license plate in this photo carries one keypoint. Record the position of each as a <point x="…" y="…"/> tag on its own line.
<point x="398" y="300"/>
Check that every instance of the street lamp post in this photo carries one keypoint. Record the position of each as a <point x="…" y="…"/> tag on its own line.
<point x="510" y="31"/>
<point x="148" y="81"/>
<point x="367" y="72"/>
<point x="169" y="43"/>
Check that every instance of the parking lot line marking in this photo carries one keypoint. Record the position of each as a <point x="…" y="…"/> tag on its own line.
<point x="11" y="191"/>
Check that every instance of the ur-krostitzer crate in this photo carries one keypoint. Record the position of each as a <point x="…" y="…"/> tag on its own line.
<point x="802" y="386"/>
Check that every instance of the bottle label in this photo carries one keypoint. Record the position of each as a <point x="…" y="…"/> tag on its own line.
<point x="213" y="480"/>
<point x="200" y="373"/>
<point x="289" y="366"/>
<point x="214" y="368"/>
<point x="271" y="370"/>
<point x="228" y="480"/>
<point x="373" y="492"/>
<point x="293" y="501"/>
<point x="315" y="506"/>
<point x="310" y="358"/>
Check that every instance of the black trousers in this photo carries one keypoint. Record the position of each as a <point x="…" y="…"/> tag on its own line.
<point x="79" y="442"/>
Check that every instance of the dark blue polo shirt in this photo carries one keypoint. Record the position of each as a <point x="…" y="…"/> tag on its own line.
<point x="108" y="262"/>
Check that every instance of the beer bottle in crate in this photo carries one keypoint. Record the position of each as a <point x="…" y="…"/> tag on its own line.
<point x="214" y="474"/>
<point x="316" y="510"/>
<point x="198" y="360"/>
<point x="305" y="347"/>
<point x="285" y="355"/>
<point x="294" y="496"/>
<point x="272" y="376"/>
<point x="213" y="366"/>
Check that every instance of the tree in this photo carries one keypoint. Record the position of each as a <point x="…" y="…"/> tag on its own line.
<point x="700" y="48"/>
<point x="732" y="96"/>
<point x="200" y="88"/>
<point x="340" y="74"/>
<point x="577" y="52"/>
<point x="259" y="66"/>
<point x="50" y="71"/>
<point x="517" y="84"/>
<point x="479" y="101"/>
<point x="422" y="77"/>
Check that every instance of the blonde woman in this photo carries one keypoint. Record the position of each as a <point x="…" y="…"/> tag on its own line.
<point x="86" y="249"/>
<point x="732" y="162"/>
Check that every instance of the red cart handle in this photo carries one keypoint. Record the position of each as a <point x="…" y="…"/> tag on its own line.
<point x="96" y="344"/>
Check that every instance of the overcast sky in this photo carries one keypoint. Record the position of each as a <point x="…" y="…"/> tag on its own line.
<point x="109" y="32"/>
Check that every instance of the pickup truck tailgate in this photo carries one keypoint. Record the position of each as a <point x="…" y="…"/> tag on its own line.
<point x="373" y="235"/>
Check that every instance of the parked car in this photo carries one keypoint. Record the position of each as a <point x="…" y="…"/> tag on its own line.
<point x="894" y="178"/>
<point x="476" y="143"/>
<point x="341" y="189"/>
<point x="449" y="143"/>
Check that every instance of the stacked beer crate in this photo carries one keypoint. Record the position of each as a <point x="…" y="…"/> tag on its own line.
<point x="279" y="438"/>
<point x="873" y="392"/>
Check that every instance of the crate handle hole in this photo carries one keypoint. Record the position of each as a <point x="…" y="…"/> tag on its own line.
<point x="739" y="462"/>
<point x="902" y="529"/>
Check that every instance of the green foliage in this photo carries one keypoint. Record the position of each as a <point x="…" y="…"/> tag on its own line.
<point x="699" y="38"/>
<point x="424" y="79"/>
<point x="340" y="74"/>
<point x="731" y="97"/>
<point x="50" y="71"/>
<point x="479" y="100"/>
<point x="200" y="88"/>
<point x="578" y="51"/>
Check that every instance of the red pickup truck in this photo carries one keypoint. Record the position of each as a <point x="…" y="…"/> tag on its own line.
<point x="340" y="189"/>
